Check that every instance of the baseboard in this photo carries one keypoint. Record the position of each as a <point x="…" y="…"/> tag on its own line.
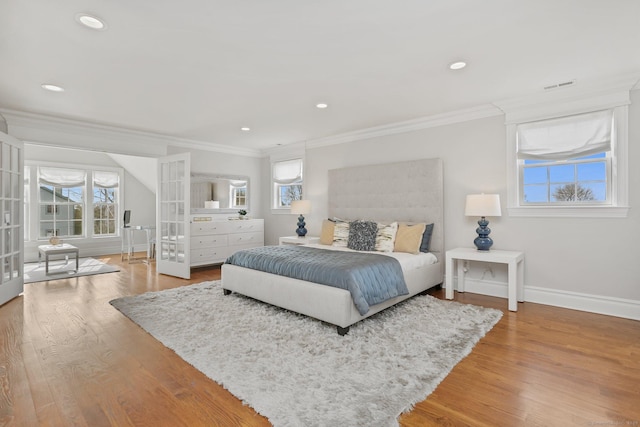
<point x="600" y="304"/>
<point x="619" y="307"/>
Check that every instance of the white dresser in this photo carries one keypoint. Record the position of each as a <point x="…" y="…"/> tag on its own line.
<point x="214" y="240"/>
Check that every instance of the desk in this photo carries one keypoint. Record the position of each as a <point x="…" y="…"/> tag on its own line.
<point x="63" y="249"/>
<point x="514" y="260"/>
<point x="128" y="234"/>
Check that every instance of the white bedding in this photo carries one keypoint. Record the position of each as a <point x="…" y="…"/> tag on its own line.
<point x="407" y="261"/>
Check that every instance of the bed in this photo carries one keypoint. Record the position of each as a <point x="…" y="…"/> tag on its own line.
<point x="409" y="192"/>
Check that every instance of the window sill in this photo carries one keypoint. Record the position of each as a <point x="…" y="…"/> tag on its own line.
<point x="569" y="211"/>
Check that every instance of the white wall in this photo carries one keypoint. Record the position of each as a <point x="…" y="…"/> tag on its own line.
<point x="137" y="197"/>
<point x="583" y="263"/>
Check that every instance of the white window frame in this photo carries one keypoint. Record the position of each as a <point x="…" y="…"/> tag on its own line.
<point x="296" y="154"/>
<point x="115" y="203"/>
<point x="33" y="221"/>
<point x="618" y="205"/>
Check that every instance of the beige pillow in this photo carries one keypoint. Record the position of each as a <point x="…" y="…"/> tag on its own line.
<point x="409" y="237"/>
<point x="326" y="234"/>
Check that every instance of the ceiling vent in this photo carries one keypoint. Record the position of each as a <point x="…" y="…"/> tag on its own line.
<point x="560" y="85"/>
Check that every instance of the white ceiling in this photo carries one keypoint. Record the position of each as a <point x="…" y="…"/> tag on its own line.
<point x="201" y="69"/>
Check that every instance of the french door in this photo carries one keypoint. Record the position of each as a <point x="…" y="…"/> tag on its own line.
<point x="173" y="208"/>
<point x="11" y="219"/>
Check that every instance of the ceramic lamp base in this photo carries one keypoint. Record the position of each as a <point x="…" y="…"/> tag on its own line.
<point x="301" y="231"/>
<point x="483" y="242"/>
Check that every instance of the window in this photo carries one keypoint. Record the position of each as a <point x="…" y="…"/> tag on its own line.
<point x="566" y="161"/>
<point x="71" y="202"/>
<point x="105" y="203"/>
<point x="287" y="182"/>
<point x="61" y="202"/>
<point x="568" y="158"/>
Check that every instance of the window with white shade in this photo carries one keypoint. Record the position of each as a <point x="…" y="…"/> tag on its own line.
<point x="568" y="156"/>
<point x="566" y="161"/>
<point x="287" y="178"/>
<point x="71" y="202"/>
<point x="61" y="194"/>
<point x="105" y="203"/>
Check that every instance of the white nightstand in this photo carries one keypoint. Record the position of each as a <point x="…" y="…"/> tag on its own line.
<point x="514" y="260"/>
<point x="296" y="240"/>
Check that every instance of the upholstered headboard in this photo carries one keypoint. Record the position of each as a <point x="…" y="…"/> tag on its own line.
<point x="409" y="191"/>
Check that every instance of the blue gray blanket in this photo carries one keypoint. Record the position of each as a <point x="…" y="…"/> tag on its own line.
<point x="370" y="278"/>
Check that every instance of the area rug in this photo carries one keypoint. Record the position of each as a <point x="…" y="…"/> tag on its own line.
<point x="297" y="371"/>
<point x="34" y="272"/>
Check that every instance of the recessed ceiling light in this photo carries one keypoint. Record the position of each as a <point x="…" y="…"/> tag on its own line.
<point x="322" y="105"/>
<point x="245" y="129"/>
<point x="52" y="88"/>
<point x="91" y="21"/>
<point x="458" y="65"/>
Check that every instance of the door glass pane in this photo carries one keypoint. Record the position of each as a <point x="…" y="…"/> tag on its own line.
<point x="15" y="159"/>
<point x="6" y="185"/>
<point x="180" y="253"/>
<point x="6" y="156"/>
<point x="16" y="265"/>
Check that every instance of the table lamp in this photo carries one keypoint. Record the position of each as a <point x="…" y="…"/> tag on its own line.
<point x="301" y="207"/>
<point x="483" y="205"/>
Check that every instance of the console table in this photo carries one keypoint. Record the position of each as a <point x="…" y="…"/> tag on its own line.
<point x="513" y="259"/>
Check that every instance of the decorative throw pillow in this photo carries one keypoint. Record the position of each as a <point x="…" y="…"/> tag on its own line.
<point x="341" y="234"/>
<point x="426" y="238"/>
<point x="326" y="234"/>
<point x="386" y="237"/>
<point x="362" y="235"/>
<point x="409" y="237"/>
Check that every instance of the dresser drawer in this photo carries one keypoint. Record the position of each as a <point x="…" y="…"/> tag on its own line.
<point x="209" y="227"/>
<point x="209" y="255"/>
<point x="256" y="238"/>
<point x="246" y="226"/>
<point x="208" y="240"/>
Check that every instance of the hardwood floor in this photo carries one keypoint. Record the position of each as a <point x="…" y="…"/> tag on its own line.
<point x="68" y="358"/>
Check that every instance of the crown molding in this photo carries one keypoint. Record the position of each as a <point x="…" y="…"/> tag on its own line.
<point x="606" y="93"/>
<point x="474" y="113"/>
<point x="61" y="132"/>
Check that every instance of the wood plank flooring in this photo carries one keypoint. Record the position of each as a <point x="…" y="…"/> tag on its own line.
<point x="67" y="358"/>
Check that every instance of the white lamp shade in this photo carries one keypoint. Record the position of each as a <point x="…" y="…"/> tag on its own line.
<point x="483" y="205"/>
<point x="301" y="207"/>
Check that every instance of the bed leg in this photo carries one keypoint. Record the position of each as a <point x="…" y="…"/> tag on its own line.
<point x="226" y="291"/>
<point x="342" y="331"/>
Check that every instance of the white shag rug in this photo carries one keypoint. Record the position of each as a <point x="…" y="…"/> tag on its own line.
<point x="60" y="269"/>
<point x="297" y="371"/>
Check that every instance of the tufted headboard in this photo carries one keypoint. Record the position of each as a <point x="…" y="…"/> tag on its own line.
<point x="409" y="191"/>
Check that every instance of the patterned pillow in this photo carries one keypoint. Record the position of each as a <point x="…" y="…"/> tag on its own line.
<point x="341" y="234"/>
<point x="386" y="237"/>
<point x="362" y="235"/>
<point x="426" y="238"/>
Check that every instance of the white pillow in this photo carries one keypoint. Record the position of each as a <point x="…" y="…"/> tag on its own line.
<point x="386" y="237"/>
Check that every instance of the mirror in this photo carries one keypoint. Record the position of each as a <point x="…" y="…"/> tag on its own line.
<point x="219" y="194"/>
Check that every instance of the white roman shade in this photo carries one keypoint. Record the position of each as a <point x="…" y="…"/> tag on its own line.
<point x="566" y="137"/>
<point x="64" y="178"/>
<point x="237" y="184"/>
<point x="106" y="179"/>
<point x="287" y="172"/>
